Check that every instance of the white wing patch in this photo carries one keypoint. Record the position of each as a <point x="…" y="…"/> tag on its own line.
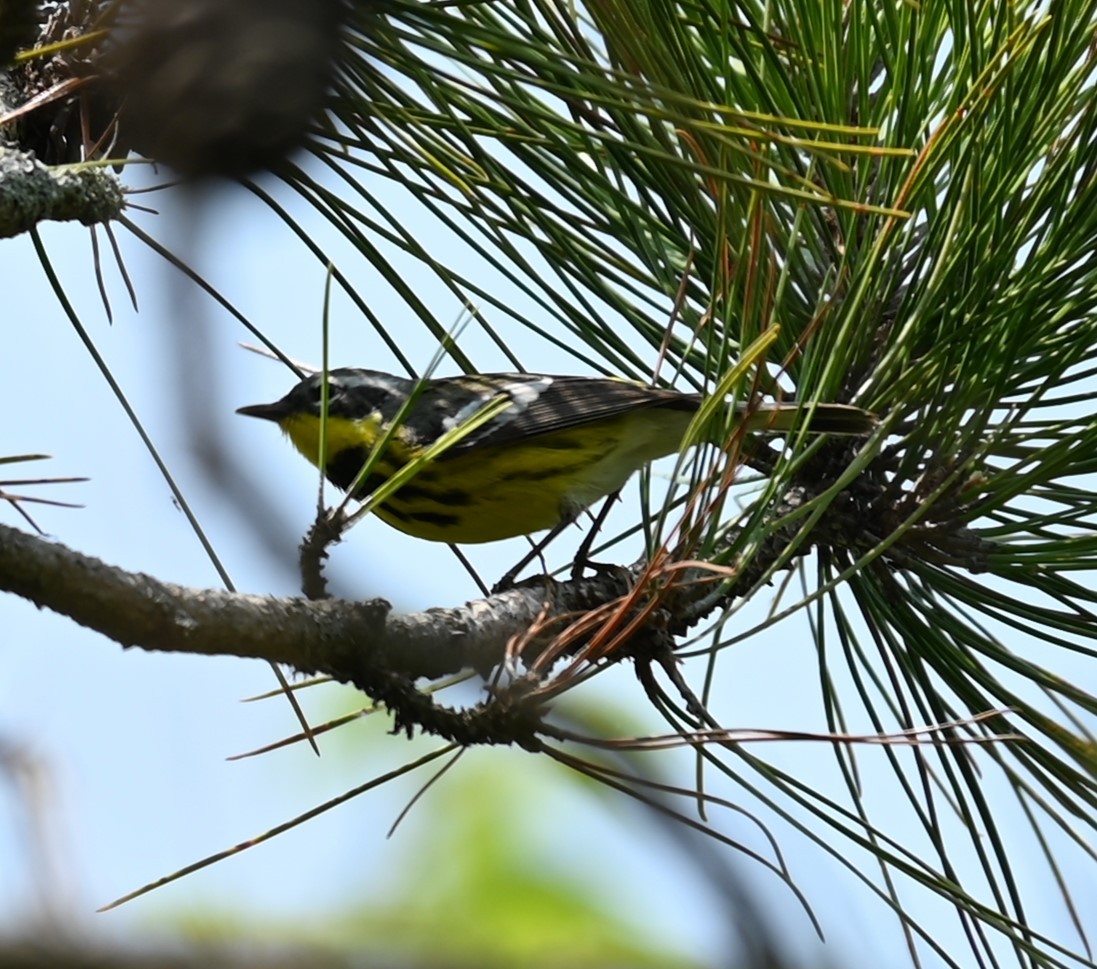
<point x="522" y="392"/>
<point x="525" y="392"/>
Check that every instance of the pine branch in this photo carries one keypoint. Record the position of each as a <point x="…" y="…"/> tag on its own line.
<point x="31" y="193"/>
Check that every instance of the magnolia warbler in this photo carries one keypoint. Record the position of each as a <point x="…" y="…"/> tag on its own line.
<point x="556" y="446"/>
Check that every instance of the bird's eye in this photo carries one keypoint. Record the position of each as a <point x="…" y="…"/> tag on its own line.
<point x="316" y="392"/>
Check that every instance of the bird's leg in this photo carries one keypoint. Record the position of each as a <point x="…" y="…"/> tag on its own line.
<point x="581" y="560"/>
<point x="538" y="547"/>
<point x="469" y="567"/>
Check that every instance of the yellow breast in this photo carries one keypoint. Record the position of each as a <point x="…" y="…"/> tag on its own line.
<point x="489" y="493"/>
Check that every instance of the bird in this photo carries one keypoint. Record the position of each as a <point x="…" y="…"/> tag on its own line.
<point x="550" y="447"/>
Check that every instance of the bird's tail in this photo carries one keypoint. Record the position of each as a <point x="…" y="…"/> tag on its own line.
<point x="820" y="418"/>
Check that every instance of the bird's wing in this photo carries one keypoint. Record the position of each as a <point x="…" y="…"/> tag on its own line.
<point x="539" y="405"/>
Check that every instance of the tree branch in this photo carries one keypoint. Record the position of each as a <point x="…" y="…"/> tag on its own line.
<point x="382" y="654"/>
<point x="30" y="193"/>
<point x="332" y="636"/>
